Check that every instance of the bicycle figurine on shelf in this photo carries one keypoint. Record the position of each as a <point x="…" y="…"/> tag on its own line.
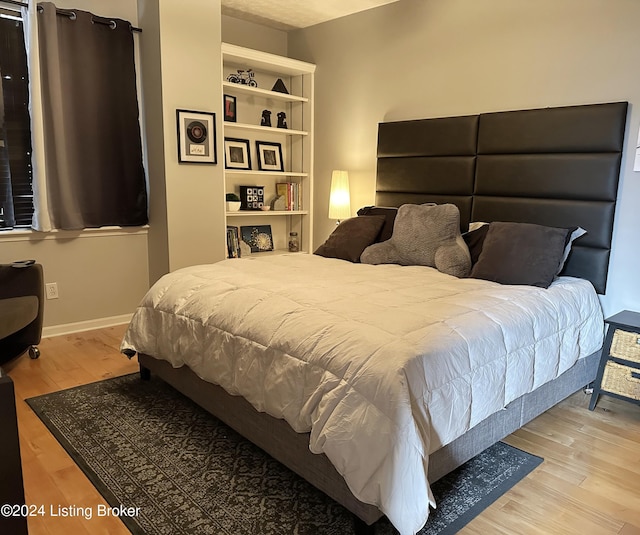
<point x="243" y="77"/>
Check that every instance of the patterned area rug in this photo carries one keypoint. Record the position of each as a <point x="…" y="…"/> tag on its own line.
<point x="145" y="445"/>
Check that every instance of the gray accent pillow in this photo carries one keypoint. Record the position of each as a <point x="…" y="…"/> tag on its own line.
<point x="521" y="253"/>
<point x="424" y="235"/>
<point x="351" y="237"/>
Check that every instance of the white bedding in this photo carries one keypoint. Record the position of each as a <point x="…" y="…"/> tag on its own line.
<point x="382" y="364"/>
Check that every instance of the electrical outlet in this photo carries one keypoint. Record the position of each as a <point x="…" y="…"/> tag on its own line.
<point x="52" y="290"/>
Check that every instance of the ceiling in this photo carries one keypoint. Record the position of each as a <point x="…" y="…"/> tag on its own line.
<point x="293" y="14"/>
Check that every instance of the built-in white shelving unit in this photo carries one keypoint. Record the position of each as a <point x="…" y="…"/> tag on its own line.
<point x="296" y="140"/>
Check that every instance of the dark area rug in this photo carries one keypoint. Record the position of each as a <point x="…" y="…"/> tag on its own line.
<point x="144" y="445"/>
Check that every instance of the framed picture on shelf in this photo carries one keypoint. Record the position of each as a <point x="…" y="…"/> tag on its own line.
<point x="258" y="237"/>
<point x="269" y="156"/>
<point x="196" y="136"/>
<point x="251" y="197"/>
<point x="236" y="153"/>
<point x="230" y="108"/>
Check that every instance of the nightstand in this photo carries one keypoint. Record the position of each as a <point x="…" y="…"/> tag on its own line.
<point x="619" y="369"/>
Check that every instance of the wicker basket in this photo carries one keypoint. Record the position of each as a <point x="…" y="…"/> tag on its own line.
<point x="625" y="345"/>
<point x="621" y="380"/>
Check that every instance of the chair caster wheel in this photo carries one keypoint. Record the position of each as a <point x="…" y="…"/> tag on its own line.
<point x="34" y="352"/>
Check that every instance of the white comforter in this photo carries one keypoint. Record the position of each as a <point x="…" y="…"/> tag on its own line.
<point x="382" y="364"/>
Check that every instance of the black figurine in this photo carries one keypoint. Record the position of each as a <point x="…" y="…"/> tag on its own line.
<point x="280" y="87"/>
<point x="266" y="118"/>
<point x="282" y="120"/>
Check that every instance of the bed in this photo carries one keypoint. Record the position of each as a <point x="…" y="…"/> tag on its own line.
<point x="318" y="366"/>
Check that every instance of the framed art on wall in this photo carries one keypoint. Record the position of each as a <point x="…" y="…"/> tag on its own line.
<point x="196" y="136"/>
<point x="236" y="153"/>
<point x="269" y="156"/>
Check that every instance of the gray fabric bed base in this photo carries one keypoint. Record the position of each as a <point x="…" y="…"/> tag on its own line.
<point x="276" y="438"/>
<point x="513" y="417"/>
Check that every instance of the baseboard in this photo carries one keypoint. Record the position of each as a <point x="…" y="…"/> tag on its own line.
<point x="100" y="323"/>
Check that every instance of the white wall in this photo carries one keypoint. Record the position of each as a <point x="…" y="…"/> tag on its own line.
<point x="432" y="58"/>
<point x="101" y="275"/>
<point x="251" y="35"/>
<point x="181" y="69"/>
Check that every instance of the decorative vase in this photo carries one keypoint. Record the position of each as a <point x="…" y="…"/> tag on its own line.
<point x="233" y="206"/>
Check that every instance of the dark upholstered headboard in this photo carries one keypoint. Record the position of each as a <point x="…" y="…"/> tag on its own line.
<point x="553" y="166"/>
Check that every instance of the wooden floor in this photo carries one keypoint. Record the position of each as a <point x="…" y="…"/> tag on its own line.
<point x="588" y="484"/>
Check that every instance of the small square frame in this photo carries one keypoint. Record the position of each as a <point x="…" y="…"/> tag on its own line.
<point x="237" y="154"/>
<point x="196" y="136"/>
<point x="269" y="156"/>
<point x="230" y="114"/>
<point x="258" y="237"/>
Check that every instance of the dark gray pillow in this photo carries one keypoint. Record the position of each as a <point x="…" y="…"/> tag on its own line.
<point x="474" y="240"/>
<point x="390" y="216"/>
<point x="521" y="253"/>
<point x="575" y="233"/>
<point x="351" y="237"/>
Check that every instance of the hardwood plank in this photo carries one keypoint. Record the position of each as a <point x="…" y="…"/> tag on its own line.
<point x="623" y="506"/>
<point x="629" y="529"/>
<point x="588" y="483"/>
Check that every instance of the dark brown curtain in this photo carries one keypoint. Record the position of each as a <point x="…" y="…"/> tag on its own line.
<point x="93" y="151"/>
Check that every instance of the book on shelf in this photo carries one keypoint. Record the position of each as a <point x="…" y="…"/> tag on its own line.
<point x="233" y="242"/>
<point x="292" y="193"/>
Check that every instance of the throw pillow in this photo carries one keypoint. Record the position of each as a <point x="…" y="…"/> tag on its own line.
<point x="576" y="232"/>
<point x="390" y="216"/>
<point x="521" y="253"/>
<point x="474" y="240"/>
<point x="424" y="235"/>
<point x="351" y="237"/>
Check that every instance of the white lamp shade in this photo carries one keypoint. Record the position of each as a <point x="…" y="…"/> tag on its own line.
<point x="339" y="200"/>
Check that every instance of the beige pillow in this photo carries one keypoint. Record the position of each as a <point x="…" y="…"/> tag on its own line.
<point x="424" y="235"/>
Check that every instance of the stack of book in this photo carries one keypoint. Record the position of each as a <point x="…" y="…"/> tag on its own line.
<point x="233" y="242"/>
<point x="291" y="193"/>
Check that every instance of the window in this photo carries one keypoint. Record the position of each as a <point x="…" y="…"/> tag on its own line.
<point x="16" y="193"/>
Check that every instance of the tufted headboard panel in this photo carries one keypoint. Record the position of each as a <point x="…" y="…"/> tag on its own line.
<point x="551" y="166"/>
<point x="432" y="160"/>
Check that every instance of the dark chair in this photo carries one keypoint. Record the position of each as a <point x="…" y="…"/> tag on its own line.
<point x="21" y="309"/>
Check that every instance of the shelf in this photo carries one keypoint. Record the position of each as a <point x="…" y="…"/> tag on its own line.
<point x="265" y="93"/>
<point x="263" y="213"/>
<point x="296" y="141"/>
<point x="263" y="173"/>
<point x="267" y="129"/>
<point x="275" y="252"/>
<point x="258" y="60"/>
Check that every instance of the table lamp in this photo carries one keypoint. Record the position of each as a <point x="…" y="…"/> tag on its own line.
<point x="339" y="199"/>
